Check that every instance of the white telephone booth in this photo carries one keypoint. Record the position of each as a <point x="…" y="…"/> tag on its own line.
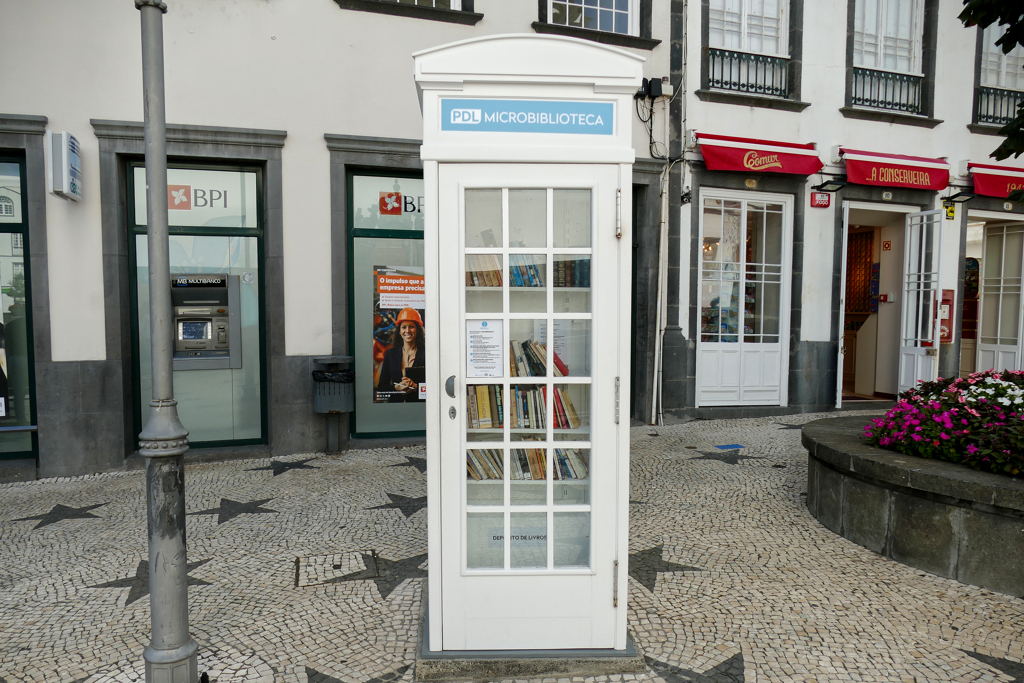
<point x="527" y="160"/>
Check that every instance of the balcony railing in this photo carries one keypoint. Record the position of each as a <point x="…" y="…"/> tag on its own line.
<point x="886" y="90"/>
<point x="998" y="106"/>
<point x="748" y="73"/>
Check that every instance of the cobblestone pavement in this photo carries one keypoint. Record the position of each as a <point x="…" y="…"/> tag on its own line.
<point x="307" y="569"/>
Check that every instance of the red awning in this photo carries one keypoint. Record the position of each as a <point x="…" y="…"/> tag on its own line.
<point x="996" y="181"/>
<point x="895" y="170"/>
<point x="726" y="153"/>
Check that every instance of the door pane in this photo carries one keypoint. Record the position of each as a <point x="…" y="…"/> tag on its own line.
<point x="529" y="540"/>
<point x="483" y="283"/>
<point x="15" y="402"/>
<point x="528" y="472"/>
<point x="572" y="539"/>
<point x="1009" y="320"/>
<point x="527" y="218"/>
<point x="571" y="416"/>
<point x="485" y="412"/>
<point x="527" y="280"/>
<point x="527" y="412"/>
<point x="573" y="468"/>
<point x="485" y="476"/>
<point x="571" y="348"/>
<point x="571" y="218"/>
<point x="483" y="218"/>
<point x="528" y="353"/>
<point x="485" y="540"/>
<point x="571" y="277"/>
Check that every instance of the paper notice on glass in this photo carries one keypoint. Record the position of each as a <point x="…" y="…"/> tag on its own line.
<point x="485" y="348"/>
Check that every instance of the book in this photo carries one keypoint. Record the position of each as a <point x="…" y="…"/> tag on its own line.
<point x="470" y="471"/>
<point x="579" y="462"/>
<point x="561" y="369"/>
<point x="501" y="407"/>
<point x="483" y="406"/>
<point x="496" y="461"/>
<point x="570" y="410"/>
<point x="492" y="397"/>
<point x="477" y="467"/>
<point x="474" y="416"/>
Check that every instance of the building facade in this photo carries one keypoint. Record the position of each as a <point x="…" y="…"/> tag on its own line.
<point x="297" y="196"/>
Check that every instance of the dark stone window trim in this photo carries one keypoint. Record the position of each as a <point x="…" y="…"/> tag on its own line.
<point x="464" y="16"/>
<point x="984" y="128"/>
<point x="796" y="52"/>
<point x="641" y="42"/>
<point x="929" y="39"/>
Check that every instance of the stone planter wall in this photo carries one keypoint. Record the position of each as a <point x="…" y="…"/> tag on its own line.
<point x="943" y="518"/>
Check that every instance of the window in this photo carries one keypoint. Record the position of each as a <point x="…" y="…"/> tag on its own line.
<point x="1000" y="70"/>
<point x="613" y="16"/>
<point x="16" y="240"/>
<point x="6" y="207"/>
<point x="887" y="35"/>
<point x="758" y="26"/>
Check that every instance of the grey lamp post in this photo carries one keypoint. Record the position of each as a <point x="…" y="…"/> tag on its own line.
<point x="171" y="655"/>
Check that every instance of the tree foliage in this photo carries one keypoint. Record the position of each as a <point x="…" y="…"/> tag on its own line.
<point x="1008" y="14"/>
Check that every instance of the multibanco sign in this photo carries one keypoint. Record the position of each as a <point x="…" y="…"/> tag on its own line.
<point x="528" y="116"/>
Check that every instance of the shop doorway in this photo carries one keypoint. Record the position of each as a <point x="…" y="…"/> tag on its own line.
<point x="991" y="332"/>
<point x="887" y="310"/>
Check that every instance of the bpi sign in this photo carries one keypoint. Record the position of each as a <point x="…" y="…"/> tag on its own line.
<point x="203" y="198"/>
<point x="184" y="198"/>
<point x="395" y="204"/>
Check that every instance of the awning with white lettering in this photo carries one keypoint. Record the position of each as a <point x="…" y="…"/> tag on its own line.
<point x="895" y="170"/>
<point x="727" y="153"/>
<point x="996" y="181"/>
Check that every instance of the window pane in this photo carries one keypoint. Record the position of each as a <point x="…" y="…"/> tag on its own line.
<point x="571" y="415"/>
<point x="571" y="348"/>
<point x="572" y="284"/>
<point x="485" y="412"/>
<point x="572" y="539"/>
<point x="528" y="472"/>
<point x="527" y="218"/>
<point x="573" y="468"/>
<point x="571" y="218"/>
<point x="483" y="283"/>
<point x="621" y="22"/>
<point x="529" y="540"/>
<point x="589" y="18"/>
<point x="485" y="476"/>
<point x="558" y="13"/>
<point x="485" y="540"/>
<point x="528" y="352"/>
<point x="606" y="23"/>
<point x="527" y="412"/>
<point x="10" y="193"/>
<point x="14" y="369"/>
<point x="575" y="15"/>
<point x="527" y="280"/>
<point x="483" y="218"/>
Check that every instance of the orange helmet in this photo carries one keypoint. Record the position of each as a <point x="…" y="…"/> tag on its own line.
<point x="410" y="314"/>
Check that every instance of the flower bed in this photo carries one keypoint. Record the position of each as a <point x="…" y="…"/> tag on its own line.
<point x="976" y="420"/>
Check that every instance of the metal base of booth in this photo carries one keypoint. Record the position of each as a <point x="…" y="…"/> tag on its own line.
<point x="484" y="665"/>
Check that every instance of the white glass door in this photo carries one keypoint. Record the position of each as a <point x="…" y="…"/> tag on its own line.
<point x="745" y="279"/>
<point x="919" y="336"/>
<point x="529" y="448"/>
<point x="999" y="345"/>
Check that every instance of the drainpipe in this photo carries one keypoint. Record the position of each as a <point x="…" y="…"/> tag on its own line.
<point x="171" y="654"/>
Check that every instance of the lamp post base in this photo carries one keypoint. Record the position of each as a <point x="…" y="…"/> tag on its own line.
<point x="179" y="665"/>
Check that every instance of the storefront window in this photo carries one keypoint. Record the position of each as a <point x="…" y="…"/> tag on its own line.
<point x="388" y="308"/>
<point x="16" y="405"/>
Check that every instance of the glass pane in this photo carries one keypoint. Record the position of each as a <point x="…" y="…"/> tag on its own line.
<point x="485" y="476"/>
<point x="214" y="404"/>
<point x="571" y="218"/>
<point x="483" y="283"/>
<point x="755" y="233"/>
<point x="607" y="23"/>
<point x="1013" y="253"/>
<point x="572" y="539"/>
<point x="485" y="412"/>
<point x="1009" y="320"/>
<point x="483" y="218"/>
<point x="571" y="346"/>
<point x="730" y="248"/>
<point x="529" y="540"/>
<point x="14" y="388"/>
<point x="527" y="279"/>
<point x="378" y="202"/>
<point x="621" y="23"/>
<point x="528" y="352"/>
<point x="527" y="218"/>
<point x="989" y="318"/>
<point x="575" y="15"/>
<point x="572" y="284"/>
<point x="527" y="412"/>
<point x="590" y="18"/>
<point x="558" y="13"/>
<point x="773" y="235"/>
<point x="10" y="193"/>
<point x="485" y="540"/>
<point x="573" y="468"/>
<point x="710" y="314"/>
<point x="571" y="417"/>
<point x="528" y="472"/>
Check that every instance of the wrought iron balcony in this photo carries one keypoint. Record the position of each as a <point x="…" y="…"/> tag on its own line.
<point x="886" y="90"/>
<point x="748" y="73"/>
<point x="998" y="106"/>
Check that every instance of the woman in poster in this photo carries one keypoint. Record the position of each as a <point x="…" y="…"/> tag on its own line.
<point x="404" y="363"/>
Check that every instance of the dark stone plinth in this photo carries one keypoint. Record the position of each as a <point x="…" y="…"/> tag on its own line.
<point x="937" y="516"/>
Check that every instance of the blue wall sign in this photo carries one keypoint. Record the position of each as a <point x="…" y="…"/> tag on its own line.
<point x="528" y="116"/>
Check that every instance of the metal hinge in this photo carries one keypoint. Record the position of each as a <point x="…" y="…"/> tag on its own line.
<point x="618" y="213"/>
<point x="616" y="400"/>
<point x="615" y="585"/>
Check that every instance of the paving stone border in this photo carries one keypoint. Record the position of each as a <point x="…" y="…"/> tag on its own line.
<point x="937" y="516"/>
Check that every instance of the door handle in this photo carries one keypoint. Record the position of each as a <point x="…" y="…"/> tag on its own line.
<point x="449" y="386"/>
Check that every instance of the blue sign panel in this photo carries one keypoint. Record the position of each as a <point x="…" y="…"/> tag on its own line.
<point x="528" y="116"/>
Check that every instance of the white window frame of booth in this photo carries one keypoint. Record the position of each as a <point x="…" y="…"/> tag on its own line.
<point x="744" y="27"/>
<point x="632" y="21"/>
<point x="997" y="65"/>
<point x="785" y="294"/>
<point x="454" y="4"/>
<point x="881" y="39"/>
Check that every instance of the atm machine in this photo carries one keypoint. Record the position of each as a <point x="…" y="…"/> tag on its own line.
<point x="207" y="329"/>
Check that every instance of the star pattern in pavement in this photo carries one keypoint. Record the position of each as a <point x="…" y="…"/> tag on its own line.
<point x="138" y="585"/>
<point x="229" y="509"/>
<point x="392" y="572"/>
<point x="728" y="671"/>
<point x="729" y="457"/>
<point x="282" y="466"/>
<point x="783" y="426"/>
<point x="1015" y="669"/>
<point x="408" y="506"/>
<point x="60" y="513"/>
<point x="645" y="565"/>
<point x="418" y="463"/>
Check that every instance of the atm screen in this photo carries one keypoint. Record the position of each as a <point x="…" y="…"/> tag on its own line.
<point x="194" y="330"/>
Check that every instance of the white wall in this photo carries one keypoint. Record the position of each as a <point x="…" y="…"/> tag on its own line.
<point x="304" y="66"/>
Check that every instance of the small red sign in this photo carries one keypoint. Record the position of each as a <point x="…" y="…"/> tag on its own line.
<point x="996" y="181"/>
<point x="179" y="197"/>
<point x="886" y="245"/>
<point x="821" y="200"/>
<point x="391" y="203"/>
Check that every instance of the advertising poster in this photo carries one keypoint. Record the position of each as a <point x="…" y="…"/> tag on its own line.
<point x="399" y="358"/>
